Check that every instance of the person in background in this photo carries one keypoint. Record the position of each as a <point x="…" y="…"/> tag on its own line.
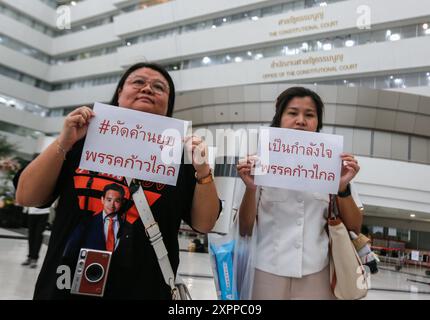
<point x="37" y="219"/>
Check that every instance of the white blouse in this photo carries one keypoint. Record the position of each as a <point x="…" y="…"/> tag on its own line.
<point x="292" y="240"/>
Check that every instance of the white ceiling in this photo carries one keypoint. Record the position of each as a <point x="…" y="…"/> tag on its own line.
<point x="395" y="213"/>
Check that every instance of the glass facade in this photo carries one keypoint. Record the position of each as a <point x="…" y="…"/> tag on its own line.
<point x="195" y="26"/>
<point x="9" y="102"/>
<point x="286" y="49"/>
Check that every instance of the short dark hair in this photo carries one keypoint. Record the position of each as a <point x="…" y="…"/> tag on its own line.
<point x="289" y="94"/>
<point x="114" y="187"/>
<point x="155" y="67"/>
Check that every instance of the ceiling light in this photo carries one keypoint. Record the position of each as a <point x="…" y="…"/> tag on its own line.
<point x="412" y="215"/>
<point x="327" y="46"/>
<point x="395" y="37"/>
<point x="258" y="56"/>
<point x="349" y="43"/>
<point x="206" y="60"/>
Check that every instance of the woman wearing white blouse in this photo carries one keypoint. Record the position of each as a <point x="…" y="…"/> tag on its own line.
<point x="292" y="249"/>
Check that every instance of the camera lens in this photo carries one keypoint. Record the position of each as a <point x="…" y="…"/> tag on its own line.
<point x="94" y="272"/>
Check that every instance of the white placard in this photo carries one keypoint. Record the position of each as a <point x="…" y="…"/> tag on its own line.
<point x="377" y="229"/>
<point x="299" y="160"/>
<point x="392" y="232"/>
<point x="129" y="143"/>
<point x="415" y="255"/>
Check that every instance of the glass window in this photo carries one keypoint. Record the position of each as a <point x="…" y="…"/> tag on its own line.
<point x="347" y="134"/>
<point x="382" y="144"/>
<point x="368" y="82"/>
<point x="288" y="7"/>
<point x="409" y="31"/>
<point x="361" y="142"/>
<point x="419" y="149"/>
<point x="400" y="147"/>
<point x="411" y="80"/>
<point x="364" y="38"/>
<point x="298" y="5"/>
<point x="57" y="112"/>
<point x="378" y="36"/>
<point x="424" y="29"/>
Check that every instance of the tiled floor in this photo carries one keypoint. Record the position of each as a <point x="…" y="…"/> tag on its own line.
<point x="17" y="282"/>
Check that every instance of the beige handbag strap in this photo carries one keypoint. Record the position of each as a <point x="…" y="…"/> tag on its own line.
<point x="154" y="234"/>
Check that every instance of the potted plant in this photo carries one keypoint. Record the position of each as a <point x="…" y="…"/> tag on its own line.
<point x="11" y="215"/>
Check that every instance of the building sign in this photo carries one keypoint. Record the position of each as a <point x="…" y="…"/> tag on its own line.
<point x="294" y="25"/>
<point x="311" y="65"/>
<point x="415" y="255"/>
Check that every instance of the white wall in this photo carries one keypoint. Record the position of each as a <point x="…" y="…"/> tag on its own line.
<point x="82" y="96"/>
<point x="23" y="63"/>
<point x="81" y="12"/>
<point x="91" y="38"/>
<point x="394" y="184"/>
<point x="106" y="64"/>
<point x="35" y="9"/>
<point x="174" y="12"/>
<point x="423" y="91"/>
<point x="22" y="91"/>
<point x="23" y="33"/>
<point x="89" y="9"/>
<point x="31" y="121"/>
<point x="386" y="56"/>
<point x="260" y="32"/>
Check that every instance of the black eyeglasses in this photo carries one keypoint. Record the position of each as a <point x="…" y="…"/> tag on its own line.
<point x="158" y="86"/>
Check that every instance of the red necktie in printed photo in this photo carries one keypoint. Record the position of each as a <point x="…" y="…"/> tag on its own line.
<point x="110" y="242"/>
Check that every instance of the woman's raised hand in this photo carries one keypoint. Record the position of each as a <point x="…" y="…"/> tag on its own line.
<point x="350" y="168"/>
<point x="75" y="126"/>
<point x="244" y="168"/>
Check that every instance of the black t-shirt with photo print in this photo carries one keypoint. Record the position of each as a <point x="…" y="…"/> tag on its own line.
<point x="134" y="270"/>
